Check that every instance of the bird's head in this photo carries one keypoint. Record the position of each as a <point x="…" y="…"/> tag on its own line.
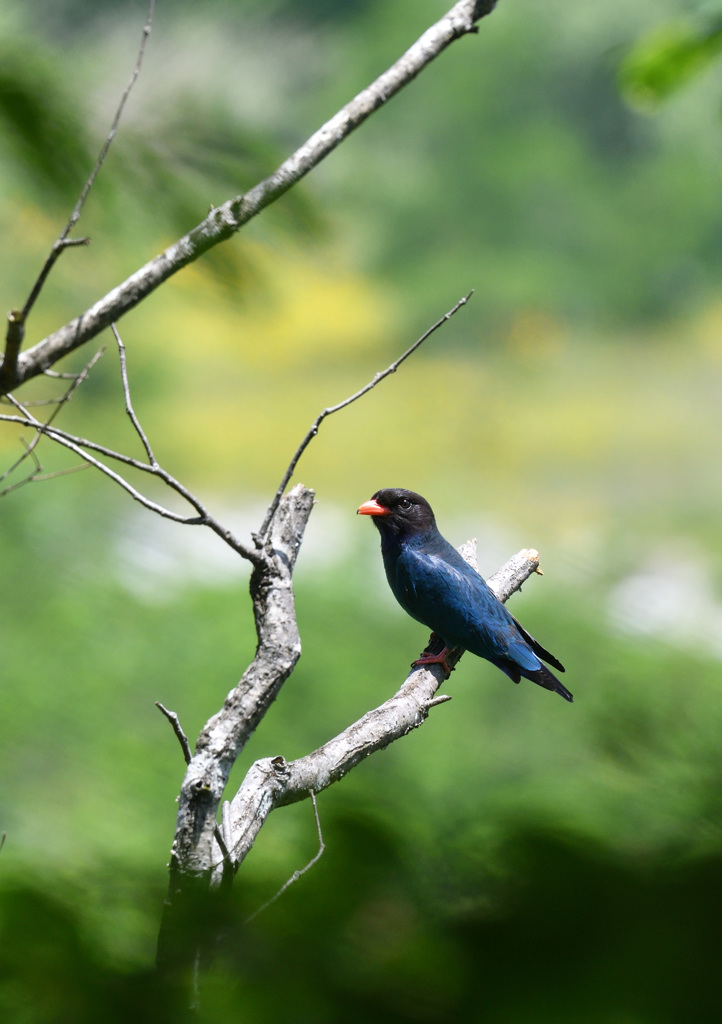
<point x="399" y="513"/>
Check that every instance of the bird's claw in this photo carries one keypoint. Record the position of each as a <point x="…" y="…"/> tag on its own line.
<point x="435" y="659"/>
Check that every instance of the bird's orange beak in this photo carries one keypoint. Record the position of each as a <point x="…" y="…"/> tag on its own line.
<point x="372" y="508"/>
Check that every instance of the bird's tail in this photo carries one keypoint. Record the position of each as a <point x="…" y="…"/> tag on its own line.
<point x="543" y="677"/>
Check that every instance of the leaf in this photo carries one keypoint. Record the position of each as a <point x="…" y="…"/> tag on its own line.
<point x="666" y="60"/>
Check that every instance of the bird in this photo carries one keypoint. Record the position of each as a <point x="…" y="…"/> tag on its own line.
<point x="437" y="587"/>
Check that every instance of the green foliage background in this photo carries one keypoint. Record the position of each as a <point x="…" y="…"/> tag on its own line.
<point x="515" y="859"/>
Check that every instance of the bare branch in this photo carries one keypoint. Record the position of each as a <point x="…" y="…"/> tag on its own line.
<point x="17" y="319"/>
<point x="28" y="453"/>
<point x="128" y="404"/>
<point x="226" y="733"/>
<point x="342" y="405"/>
<point x="301" y="871"/>
<point x="77" y="380"/>
<point x="223" y="221"/>
<point x="13" y="342"/>
<point x="274" y="782"/>
<point x="78" y="446"/>
<point x="75" y="216"/>
<point x="177" y="729"/>
<point x="59" y="376"/>
<point x="37" y="475"/>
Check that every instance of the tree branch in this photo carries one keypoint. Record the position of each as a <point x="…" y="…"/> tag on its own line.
<point x="225" y="734"/>
<point x="81" y="446"/>
<point x="177" y="729"/>
<point x="225" y="220"/>
<point x="274" y="782"/>
<point x="77" y="380"/>
<point x="128" y="403"/>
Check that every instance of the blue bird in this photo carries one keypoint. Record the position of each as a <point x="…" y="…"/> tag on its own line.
<point x="436" y="586"/>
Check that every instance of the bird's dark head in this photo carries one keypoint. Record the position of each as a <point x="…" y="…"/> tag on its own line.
<point x="399" y="513"/>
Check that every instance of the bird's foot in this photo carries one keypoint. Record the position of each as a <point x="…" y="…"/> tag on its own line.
<point x="436" y="659"/>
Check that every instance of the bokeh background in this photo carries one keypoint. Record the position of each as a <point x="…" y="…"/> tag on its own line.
<point x="516" y="859"/>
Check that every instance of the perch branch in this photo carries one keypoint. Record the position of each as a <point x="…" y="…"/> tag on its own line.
<point x="275" y="782"/>
<point x="313" y="431"/>
<point x="223" y="221"/>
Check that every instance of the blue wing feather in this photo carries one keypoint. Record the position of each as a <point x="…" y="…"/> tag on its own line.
<point x="456" y="602"/>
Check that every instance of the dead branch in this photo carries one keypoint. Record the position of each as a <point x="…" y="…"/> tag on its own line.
<point x="128" y="403"/>
<point x="223" y="221"/>
<point x="274" y="782"/>
<point x="77" y="379"/>
<point x="225" y="734"/>
<point x="82" y="447"/>
<point x="177" y="729"/>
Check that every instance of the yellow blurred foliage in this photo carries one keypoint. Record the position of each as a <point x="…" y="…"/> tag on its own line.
<point x="305" y="310"/>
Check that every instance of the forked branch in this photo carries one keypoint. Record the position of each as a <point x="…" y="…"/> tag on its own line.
<point x="274" y="782"/>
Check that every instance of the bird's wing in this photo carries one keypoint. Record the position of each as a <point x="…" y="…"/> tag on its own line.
<point x="537" y="647"/>
<point x="455" y="602"/>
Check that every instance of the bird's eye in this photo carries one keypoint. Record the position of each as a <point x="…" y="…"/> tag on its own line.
<point x="405" y="504"/>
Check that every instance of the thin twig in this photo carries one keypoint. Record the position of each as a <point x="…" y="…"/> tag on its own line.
<point x="62" y="472"/>
<point x="302" y="871"/>
<point x="226" y="823"/>
<point x="36" y="403"/>
<point x="78" y="444"/>
<point x="77" y="380"/>
<point x="223" y="848"/>
<point x="58" y="375"/>
<point x="128" y="404"/>
<point x="63" y="242"/>
<point x="17" y="318"/>
<point x="75" y="216"/>
<point x="178" y="730"/>
<point x="31" y="476"/>
<point x="342" y="405"/>
<point x="37" y="475"/>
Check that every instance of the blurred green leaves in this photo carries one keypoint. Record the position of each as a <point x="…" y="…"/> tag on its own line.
<point x="668" y="59"/>
<point x="42" y="127"/>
